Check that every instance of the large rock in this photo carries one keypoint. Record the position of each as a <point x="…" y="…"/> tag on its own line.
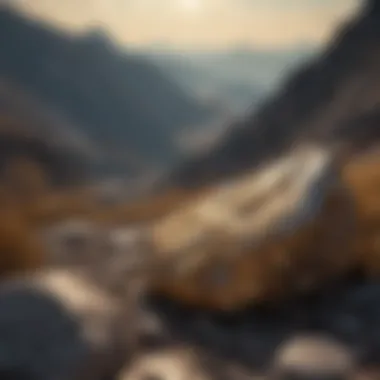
<point x="281" y="230"/>
<point x="57" y="325"/>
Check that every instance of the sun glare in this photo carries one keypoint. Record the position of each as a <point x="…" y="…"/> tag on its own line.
<point x="190" y="5"/>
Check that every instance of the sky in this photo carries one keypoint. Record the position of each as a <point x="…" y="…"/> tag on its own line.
<point x="199" y="23"/>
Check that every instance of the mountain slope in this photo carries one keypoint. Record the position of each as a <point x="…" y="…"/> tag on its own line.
<point x="121" y="102"/>
<point x="336" y="96"/>
<point x="30" y="131"/>
<point x="240" y="77"/>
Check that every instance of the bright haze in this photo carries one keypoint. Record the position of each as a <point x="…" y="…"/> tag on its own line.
<point x="200" y="23"/>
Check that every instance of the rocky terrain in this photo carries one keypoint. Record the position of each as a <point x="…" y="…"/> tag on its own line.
<point x="328" y="333"/>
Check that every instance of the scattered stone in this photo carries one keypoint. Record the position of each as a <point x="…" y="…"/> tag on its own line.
<point x="313" y="357"/>
<point x="172" y="364"/>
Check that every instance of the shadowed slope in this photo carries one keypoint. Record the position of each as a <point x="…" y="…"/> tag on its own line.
<point x="121" y="102"/>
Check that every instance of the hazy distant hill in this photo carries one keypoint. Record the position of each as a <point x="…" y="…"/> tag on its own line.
<point x="239" y="77"/>
<point x="335" y="96"/>
<point x="120" y="101"/>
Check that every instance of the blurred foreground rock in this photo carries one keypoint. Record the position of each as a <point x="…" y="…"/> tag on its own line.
<point x="311" y="357"/>
<point x="57" y="325"/>
<point x="170" y="364"/>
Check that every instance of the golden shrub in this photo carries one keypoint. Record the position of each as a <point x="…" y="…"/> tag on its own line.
<point x="362" y="176"/>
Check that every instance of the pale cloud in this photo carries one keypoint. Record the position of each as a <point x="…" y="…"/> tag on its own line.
<point x="203" y="22"/>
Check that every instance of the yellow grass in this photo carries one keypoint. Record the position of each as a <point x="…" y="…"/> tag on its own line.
<point x="28" y="202"/>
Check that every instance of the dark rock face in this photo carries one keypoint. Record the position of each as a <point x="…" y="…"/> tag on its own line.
<point x="334" y="98"/>
<point x="124" y="104"/>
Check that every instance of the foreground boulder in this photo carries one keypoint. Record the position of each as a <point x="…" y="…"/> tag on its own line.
<point x="57" y="325"/>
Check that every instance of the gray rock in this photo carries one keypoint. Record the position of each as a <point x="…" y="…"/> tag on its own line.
<point x="56" y="325"/>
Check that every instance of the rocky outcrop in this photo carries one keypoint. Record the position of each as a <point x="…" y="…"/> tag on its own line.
<point x="284" y="230"/>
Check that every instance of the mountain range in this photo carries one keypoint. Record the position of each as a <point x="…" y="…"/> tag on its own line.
<point x="123" y="104"/>
<point x="238" y="78"/>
